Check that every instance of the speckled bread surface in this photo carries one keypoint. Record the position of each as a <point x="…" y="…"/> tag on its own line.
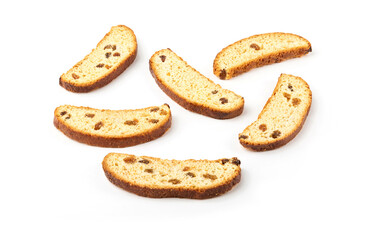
<point x="191" y="89"/>
<point x="113" y="54"/>
<point x="112" y="128"/>
<point x="257" y="51"/>
<point x="282" y="117"/>
<point x="162" y="178"/>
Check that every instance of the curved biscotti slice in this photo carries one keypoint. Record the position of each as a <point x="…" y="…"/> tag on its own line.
<point x="113" y="54"/>
<point x="162" y="178"/>
<point x="192" y="90"/>
<point x="112" y="128"/>
<point x="257" y="51"/>
<point x="282" y="117"/>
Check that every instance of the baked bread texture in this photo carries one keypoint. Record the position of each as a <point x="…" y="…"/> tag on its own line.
<point x="112" y="128"/>
<point x="113" y="54"/>
<point x="192" y="90"/>
<point x="162" y="178"/>
<point x="282" y="117"/>
<point x="257" y="51"/>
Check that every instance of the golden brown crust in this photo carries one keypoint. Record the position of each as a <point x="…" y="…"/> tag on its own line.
<point x="274" y="57"/>
<point x="112" y="142"/>
<point x="106" y="78"/>
<point x="172" y="192"/>
<point x="287" y="138"/>
<point x="201" y="109"/>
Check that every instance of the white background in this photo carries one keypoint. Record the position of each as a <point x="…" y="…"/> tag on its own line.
<point x="315" y="187"/>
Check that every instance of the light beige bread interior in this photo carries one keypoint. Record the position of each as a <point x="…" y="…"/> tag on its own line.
<point x="191" y="89"/>
<point x="282" y="117"/>
<point x="258" y="50"/>
<point x="113" y="54"/>
<point x="158" y="178"/>
<point x="112" y="128"/>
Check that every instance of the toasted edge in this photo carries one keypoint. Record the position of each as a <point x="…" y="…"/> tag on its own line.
<point x="275" y="57"/>
<point x="113" y="142"/>
<point x="191" y="106"/>
<point x="171" y="192"/>
<point x="281" y="141"/>
<point x="107" y="78"/>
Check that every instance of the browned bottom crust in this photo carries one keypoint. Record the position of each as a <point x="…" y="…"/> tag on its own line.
<point x="103" y="81"/>
<point x="196" y="108"/>
<point x="112" y="142"/>
<point x="173" y="193"/>
<point x="270" y="59"/>
<point x="279" y="143"/>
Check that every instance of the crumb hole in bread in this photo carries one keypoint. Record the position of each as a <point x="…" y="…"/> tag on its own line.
<point x="100" y="65"/>
<point x="129" y="160"/>
<point x="155" y="109"/>
<point x="224" y="100"/>
<point x="243" y="137"/>
<point x="190" y="174"/>
<point x="225" y="160"/>
<point x="131" y="122"/>
<point x="290" y="87"/>
<point x="90" y="115"/>
<point x="107" y="66"/>
<point x="163" y="58"/>
<point x="186" y="169"/>
<point x="108" y="47"/>
<point x="276" y="134"/>
<point x="108" y="54"/>
<point x="163" y="112"/>
<point x="148" y="170"/>
<point x="210" y="176"/>
<point x="174" y="181"/>
<point x="235" y="161"/>
<point x="222" y="74"/>
<point x="116" y="164"/>
<point x="168" y="74"/>
<point x="295" y="101"/>
<point x="255" y="46"/>
<point x="98" y="125"/>
<point x="116" y="54"/>
<point x="214" y="92"/>
<point x="287" y="95"/>
<point x="153" y="120"/>
<point x="63" y="113"/>
<point x="144" y="161"/>
<point x="75" y="76"/>
<point x="263" y="127"/>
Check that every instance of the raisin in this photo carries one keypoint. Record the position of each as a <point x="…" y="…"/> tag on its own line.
<point x="287" y="95"/>
<point x="131" y="122"/>
<point x="155" y="109"/>
<point x="90" y="115"/>
<point x="210" y="176"/>
<point x="68" y="117"/>
<point x="163" y="58"/>
<point x="235" y="161"/>
<point x="98" y="125"/>
<point x="255" y="46"/>
<point x="100" y="65"/>
<point x="223" y="100"/>
<point x="145" y="161"/>
<point x="116" y="54"/>
<point x="243" y="137"/>
<point x="263" y="127"/>
<point x="291" y="87"/>
<point x="223" y="74"/>
<point x="129" y="159"/>
<point x="296" y="101"/>
<point x="276" y="134"/>
<point x="153" y="120"/>
<point x="174" y="181"/>
<point x="107" y="47"/>
<point x="108" y="54"/>
<point x="190" y="174"/>
<point x="214" y="92"/>
<point x="75" y="76"/>
<point x="108" y="66"/>
<point x="148" y="170"/>
<point x="114" y="48"/>
<point x="163" y="112"/>
<point x="225" y="160"/>
<point x="63" y="113"/>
